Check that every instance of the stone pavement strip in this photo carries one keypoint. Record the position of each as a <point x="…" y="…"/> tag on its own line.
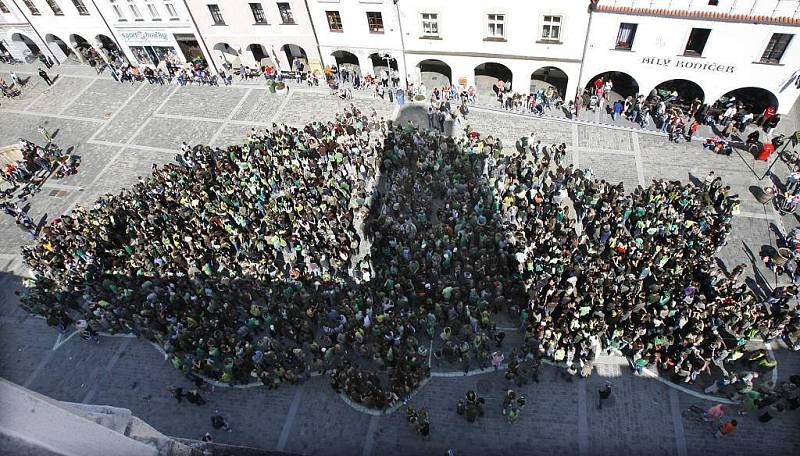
<point x="120" y="130"/>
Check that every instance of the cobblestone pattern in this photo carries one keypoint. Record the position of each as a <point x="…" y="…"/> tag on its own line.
<point x="260" y="107"/>
<point x="305" y="107"/>
<point x="60" y="95"/>
<point x="561" y="417"/>
<point x="102" y="99"/>
<point x="203" y="101"/>
<point x="170" y="133"/>
<point x="133" y="114"/>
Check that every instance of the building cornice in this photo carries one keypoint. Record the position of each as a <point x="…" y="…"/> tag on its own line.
<point x="485" y="55"/>
<point x="698" y="15"/>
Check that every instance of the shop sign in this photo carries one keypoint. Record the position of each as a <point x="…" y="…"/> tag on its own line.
<point x="145" y="37"/>
<point x="688" y="64"/>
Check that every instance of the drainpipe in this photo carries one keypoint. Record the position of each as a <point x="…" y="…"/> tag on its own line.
<point x="402" y="42"/>
<point x="25" y="16"/>
<point x="200" y="37"/>
<point x="116" y="41"/>
<point x="592" y="6"/>
<point x="316" y="39"/>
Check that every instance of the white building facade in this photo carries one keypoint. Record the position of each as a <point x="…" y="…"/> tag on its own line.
<point x="478" y="41"/>
<point x="363" y="35"/>
<point x="705" y="49"/>
<point x="17" y="37"/>
<point x="257" y="33"/>
<point x="69" y="28"/>
<point x="152" y="32"/>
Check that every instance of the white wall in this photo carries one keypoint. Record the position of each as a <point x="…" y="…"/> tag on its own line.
<point x="163" y="21"/>
<point x="12" y="23"/>
<point x="356" y="37"/>
<point x="241" y="30"/>
<point x="70" y="23"/>
<point x="754" y="8"/>
<point x="731" y="55"/>
<point x="463" y="30"/>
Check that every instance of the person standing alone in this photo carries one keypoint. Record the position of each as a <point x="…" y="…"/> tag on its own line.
<point x="44" y="76"/>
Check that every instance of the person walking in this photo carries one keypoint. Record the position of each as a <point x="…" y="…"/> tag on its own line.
<point x="725" y="428"/>
<point x="44" y="76"/>
<point x="604" y="394"/>
<point x="45" y="134"/>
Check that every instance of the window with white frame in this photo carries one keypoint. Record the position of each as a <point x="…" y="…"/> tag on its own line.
<point x="4" y="8"/>
<point x="334" y="21"/>
<point x="626" y="35"/>
<point x="258" y="13"/>
<point x="776" y="47"/>
<point x="430" y="24"/>
<point x="496" y="26"/>
<point x="117" y="10"/>
<point x="137" y="14"/>
<point x="31" y="7"/>
<point x="151" y="8"/>
<point x="216" y="14"/>
<point x="375" y="21"/>
<point x="54" y="6"/>
<point x="286" y="13"/>
<point x="81" y="7"/>
<point x="173" y="13"/>
<point x="551" y="28"/>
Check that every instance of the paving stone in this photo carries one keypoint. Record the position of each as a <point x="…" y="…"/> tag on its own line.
<point x="170" y="133"/>
<point x="259" y="107"/>
<point x="133" y="374"/>
<point x="102" y="99"/>
<point x="203" y="101"/>
<point x="60" y="95"/>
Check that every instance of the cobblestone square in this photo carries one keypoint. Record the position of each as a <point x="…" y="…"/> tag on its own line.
<point x="120" y="131"/>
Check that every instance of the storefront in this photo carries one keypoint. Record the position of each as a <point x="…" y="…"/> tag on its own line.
<point x="151" y="47"/>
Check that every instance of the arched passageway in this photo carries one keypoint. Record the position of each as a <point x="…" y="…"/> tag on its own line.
<point x="296" y="57"/>
<point x="487" y="76"/>
<point x="435" y="73"/>
<point x="59" y="46"/>
<point x="623" y="84"/>
<point x="29" y="48"/>
<point x="260" y="55"/>
<point x="227" y="55"/>
<point x="681" y="91"/>
<point x="550" y="76"/>
<point x="752" y="99"/>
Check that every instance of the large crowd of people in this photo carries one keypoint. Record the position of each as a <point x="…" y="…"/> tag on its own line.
<point x="340" y="247"/>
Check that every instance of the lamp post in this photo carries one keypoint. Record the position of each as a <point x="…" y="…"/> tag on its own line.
<point x="794" y="139"/>
<point x="402" y="42"/>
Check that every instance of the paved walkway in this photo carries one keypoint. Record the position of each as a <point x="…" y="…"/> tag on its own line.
<point x="120" y="130"/>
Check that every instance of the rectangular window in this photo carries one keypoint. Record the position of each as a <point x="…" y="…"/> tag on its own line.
<point x="625" y="36"/>
<point x="713" y="2"/>
<point x="151" y="8"/>
<point x="497" y="27"/>
<point x="4" y="8"/>
<point x="216" y="14"/>
<point x="551" y="28"/>
<point x="334" y="21"/>
<point x="697" y="42"/>
<point x="33" y="9"/>
<point x="137" y="15"/>
<point x="81" y="7"/>
<point x="258" y="13"/>
<point x="375" y="22"/>
<point x="54" y="6"/>
<point x="117" y="10"/>
<point x="776" y="47"/>
<point x="171" y="10"/>
<point x="286" y="13"/>
<point x="430" y="24"/>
